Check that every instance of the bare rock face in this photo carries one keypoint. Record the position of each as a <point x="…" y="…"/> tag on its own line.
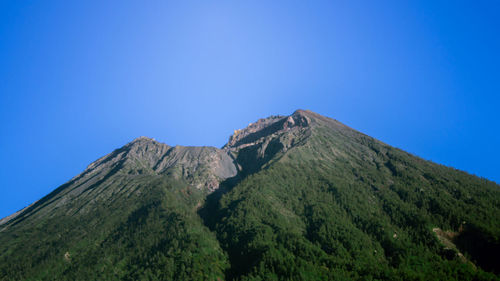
<point x="261" y="127"/>
<point x="265" y="128"/>
<point x="114" y="175"/>
<point x="258" y="143"/>
<point x="203" y="168"/>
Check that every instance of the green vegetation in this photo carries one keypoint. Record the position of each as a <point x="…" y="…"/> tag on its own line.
<point x="310" y="222"/>
<point x="336" y="205"/>
<point x="153" y="233"/>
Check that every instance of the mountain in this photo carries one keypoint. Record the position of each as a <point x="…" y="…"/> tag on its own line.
<point x="299" y="197"/>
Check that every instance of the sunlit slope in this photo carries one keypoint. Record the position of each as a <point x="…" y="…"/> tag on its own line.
<point x="342" y="205"/>
<point x="130" y="215"/>
<point x="299" y="197"/>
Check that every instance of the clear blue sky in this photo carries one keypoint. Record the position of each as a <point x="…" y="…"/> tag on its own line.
<point x="81" y="78"/>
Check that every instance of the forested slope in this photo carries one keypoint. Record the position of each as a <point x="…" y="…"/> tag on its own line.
<point x="300" y="197"/>
<point x="345" y="206"/>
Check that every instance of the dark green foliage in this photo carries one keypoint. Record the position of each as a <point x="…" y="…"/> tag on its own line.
<point x="154" y="234"/>
<point x="320" y="218"/>
<point x="336" y="205"/>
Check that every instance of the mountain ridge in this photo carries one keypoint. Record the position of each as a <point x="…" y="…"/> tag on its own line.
<point x="288" y="197"/>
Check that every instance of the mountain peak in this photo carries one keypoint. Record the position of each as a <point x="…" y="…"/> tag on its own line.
<point x="268" y="127"/>
<point x="302" y="112"/>
<point x="313" y="117"/>
<point x="142" y="139"/>
<point x="267" y="139"/>
<point x="287" y="185"/>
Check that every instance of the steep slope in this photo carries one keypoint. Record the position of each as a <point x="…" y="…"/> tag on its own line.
<point x="299" y="197"/>
<point x="104" y="179"/>
<point x="128" y="215"/>
<point x="338" y="204"/>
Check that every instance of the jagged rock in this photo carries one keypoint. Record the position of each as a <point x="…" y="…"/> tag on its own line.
<point x="305" y="185"/>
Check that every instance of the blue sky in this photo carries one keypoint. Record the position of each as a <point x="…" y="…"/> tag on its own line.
<point x="81" y="78"/>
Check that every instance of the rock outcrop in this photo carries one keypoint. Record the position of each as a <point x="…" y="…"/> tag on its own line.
<point x="257" y="144"/>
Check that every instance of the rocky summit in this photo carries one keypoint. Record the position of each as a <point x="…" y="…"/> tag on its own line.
<point x="299" y="197"/>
